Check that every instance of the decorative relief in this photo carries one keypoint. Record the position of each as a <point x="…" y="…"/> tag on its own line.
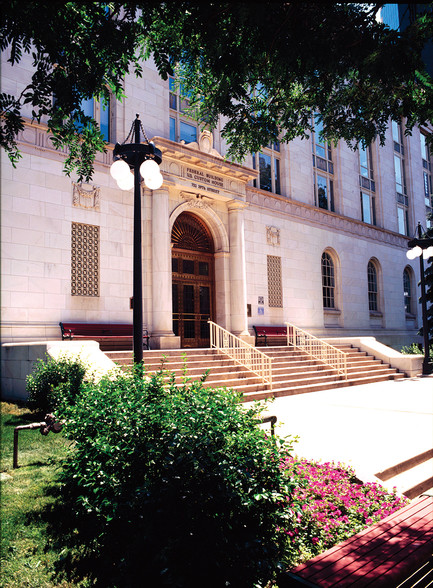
<point x="275" y="289"/>
<point x="84" y="260"/>
<point x="86" y="196"/>
<point x="205" y="144"/>
<point x="197" y="201"/>
<point x="273" y="236"/>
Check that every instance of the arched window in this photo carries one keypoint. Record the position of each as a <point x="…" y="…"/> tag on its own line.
<point x="407" y="289"/>
<point x="328" y="281"/>
<point x="373" y="298"/>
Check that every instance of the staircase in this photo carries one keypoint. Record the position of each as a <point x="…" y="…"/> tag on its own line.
<point x="294" y="372"/>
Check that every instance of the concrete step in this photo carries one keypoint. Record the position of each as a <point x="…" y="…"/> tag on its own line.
<point x="279" y="391"/>
<point x="294" y="372"/>
<point x="239" y="377"/>
<point x="411" y="477"/>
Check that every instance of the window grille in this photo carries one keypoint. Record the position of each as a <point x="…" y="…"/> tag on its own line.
<point x="275" y="289"/>
<point x="85" y="245"/>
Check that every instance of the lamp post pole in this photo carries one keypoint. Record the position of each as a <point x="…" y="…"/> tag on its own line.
<point x="419" y="248"/>
<point x="144" y="160"/>
<point x="137" y="307"/>
<point x="426" y="366"/>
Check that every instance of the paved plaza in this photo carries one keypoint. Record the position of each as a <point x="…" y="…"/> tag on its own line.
<point x="371" y="427"/>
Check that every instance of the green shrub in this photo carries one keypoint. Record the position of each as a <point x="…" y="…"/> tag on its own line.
<point x="172" y="486"/>
<point x="415" y="349"/>
<point x="51" y="379"/>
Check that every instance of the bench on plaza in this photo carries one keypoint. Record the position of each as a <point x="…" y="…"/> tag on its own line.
<point x="270" y="335"/>
<point x="110" y="336"/>
<point x="396" y="551"/>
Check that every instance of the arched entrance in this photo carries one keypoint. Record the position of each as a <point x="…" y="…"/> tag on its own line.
<point x="192" y="280"/>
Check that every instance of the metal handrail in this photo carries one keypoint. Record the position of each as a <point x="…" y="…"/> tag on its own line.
<point x="241" y="352"/>
<point x="317" y="348"/>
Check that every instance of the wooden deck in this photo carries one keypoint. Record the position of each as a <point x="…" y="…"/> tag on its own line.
<point x="384" y="555"/>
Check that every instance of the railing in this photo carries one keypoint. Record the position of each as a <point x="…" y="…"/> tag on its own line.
<point x="317" y="348"/>
<point x="241" y="352"/>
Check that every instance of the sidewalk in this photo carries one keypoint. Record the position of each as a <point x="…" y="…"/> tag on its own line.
<point x="370" y="427"/>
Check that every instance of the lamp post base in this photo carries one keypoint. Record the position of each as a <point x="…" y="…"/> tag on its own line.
<point x="427" y="368"/>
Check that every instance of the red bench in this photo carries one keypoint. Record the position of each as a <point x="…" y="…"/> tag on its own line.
<point x="385" y="555"/>
<point x="273" y="333"/>
<point x="110" y="336"/>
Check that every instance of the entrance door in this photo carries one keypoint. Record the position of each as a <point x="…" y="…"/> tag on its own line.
<point x="193" y="283"/>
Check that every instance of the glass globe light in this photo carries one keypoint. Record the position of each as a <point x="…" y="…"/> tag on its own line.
<point x="155" y="182"/>
<point x="427" y="253"/>
<point x="127" y="182"/>
<point x="149" y="168"/>
<point x="119" y="169"/>
<point x="415" y="252"/>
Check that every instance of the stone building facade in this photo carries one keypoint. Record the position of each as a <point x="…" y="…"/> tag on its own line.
<point x="305" y="232"/>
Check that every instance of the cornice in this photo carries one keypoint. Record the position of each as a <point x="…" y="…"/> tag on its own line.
<point x="317" y="217"/>
<point x="191" y="155"/>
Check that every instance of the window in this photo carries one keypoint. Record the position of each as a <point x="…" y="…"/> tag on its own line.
<point x="275" y="289"/>
<point x="100" y="112"/>
<point x="84" y="260"/>
<point x="368" y="208"/>
<point x="367" y="184"/>
<point x="400" y="179"/>
<point x="182" y="127"/>
<point x="323" y="168"/>
<point x="403" y="220"/>
<point x="268" y="164"/>
<point x="407" y="289"/>
<point x="328" y="281"/>
<point x="373" y="305"/>
<point x="427" y="178"/>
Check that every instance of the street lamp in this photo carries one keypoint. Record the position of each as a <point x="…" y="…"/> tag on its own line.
<point x="132" y="162"/>
<point x="423" y="248"/>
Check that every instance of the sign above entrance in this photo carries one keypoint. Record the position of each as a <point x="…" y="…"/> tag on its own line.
<point x="194" y="169"/>
<point x="203" y="180"/>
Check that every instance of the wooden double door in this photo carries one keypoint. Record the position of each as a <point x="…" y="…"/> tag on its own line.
<point x="193" y="296"/>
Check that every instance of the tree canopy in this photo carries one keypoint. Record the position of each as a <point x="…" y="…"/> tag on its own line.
<point x="263" y="67"/>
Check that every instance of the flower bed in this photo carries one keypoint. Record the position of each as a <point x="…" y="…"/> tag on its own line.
<point x="330" y="505"/>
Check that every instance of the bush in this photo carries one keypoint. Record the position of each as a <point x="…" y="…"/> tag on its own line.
<point x="173" y="486"/>
<point x="415" y="349"/>
<point x="52" y="379"/>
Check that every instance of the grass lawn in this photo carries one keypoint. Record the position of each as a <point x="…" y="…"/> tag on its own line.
<point x="26" y="557"/>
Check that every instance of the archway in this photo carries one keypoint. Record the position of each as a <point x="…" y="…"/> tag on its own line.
<point x="193" y="280"/>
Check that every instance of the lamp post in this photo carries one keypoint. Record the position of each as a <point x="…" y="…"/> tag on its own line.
<point x="143" y="160"/>
<point x="423" y="248"/>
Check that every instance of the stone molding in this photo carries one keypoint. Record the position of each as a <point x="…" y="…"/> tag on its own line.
<point x="36" y="137"/>
<point x="327" y="220"/>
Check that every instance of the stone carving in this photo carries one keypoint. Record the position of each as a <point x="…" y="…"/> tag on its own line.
<point x="86" y="196"/>
<point x="196" y="200"/>
<point x="205" y="144"/>
<point x="273" y="236"/>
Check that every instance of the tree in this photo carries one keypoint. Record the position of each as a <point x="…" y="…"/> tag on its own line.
<point x="264" y="67"/>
